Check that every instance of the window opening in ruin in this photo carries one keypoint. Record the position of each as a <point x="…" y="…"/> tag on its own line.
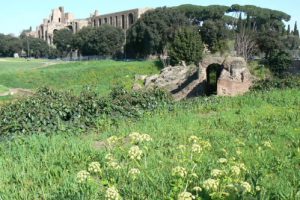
<point x="130" y="19"/>
<point x="58" y="19"/>
<point x="213" y="73"/>
<point x="123" y="22"/>
<point x="116" y="21"/>
<point x="111" y="20"/>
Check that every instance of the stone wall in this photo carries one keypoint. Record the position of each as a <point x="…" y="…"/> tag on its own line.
<point x="58" y="20"/>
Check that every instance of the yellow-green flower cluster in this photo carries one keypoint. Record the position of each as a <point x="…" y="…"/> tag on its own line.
<point x="112" y="194"/>
<point x="134" y="173"/>
<point x="211" y="184"/>
<point x="179" y="171"/>
<point x="82" y="176"/>
<point x="94" y="167"/>
<point x="139" y="138"/>
<point x="267" y="144"/>
<point x="113" y="140"/>
<point x="222" y="160"/>
<point x="246" y="187"/>
<point x="217" y="173"/>
<point x="112" y="162"/>
<point x="193" y="139"/>
<point x="235" y="170"/>
<point x="197" y="189"/>
<point x="186" y="196"/>
<point x="196" y="148"/>
<point x="135" y="153"/>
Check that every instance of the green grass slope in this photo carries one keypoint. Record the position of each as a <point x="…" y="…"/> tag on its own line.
<point x="257" y="134"/>
<point x="74" y="75"/>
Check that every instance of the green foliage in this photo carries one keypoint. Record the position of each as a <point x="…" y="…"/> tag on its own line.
<point x="63" y="40"/>
<point x="9" y="45"/>
<point x="279" y="62"/>
<point x="37" y="47"/>
<point x="104" y="40"/>
<point x="151" y="33"/>
<point x="288" y="82"/>
<point x="296" y="31"/>
<point x="50" y="111"/>
<point x="258" y="131"/>
<point x="214" y="34"/>
<point x="269" y="42"/>
<point x="187" y="46"/>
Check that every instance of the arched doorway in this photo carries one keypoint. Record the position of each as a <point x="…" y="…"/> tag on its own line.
<point x="213" y="73"/>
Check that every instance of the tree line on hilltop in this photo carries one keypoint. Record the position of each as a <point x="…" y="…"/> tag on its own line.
<point x="179" y="32"/>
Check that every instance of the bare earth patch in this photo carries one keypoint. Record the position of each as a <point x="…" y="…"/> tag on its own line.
<point x="17" y="92"/>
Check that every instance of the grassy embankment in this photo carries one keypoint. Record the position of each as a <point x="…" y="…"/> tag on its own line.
<point x="103" y="75"/>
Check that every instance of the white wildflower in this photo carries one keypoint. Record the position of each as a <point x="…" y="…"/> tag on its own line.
<point x="134" y="172"/>
<point x="179" y="171"/>
<point x="186" y="196"/>
<point x="257" y="188"/>
<point x="222" y="160"/>
<point x="211" y="184"/>
<point x="197" y="189"/>
<point x="235" y="170"/>
<point x="82" y="176"/>
<point x="113" y="164"/>
<point x="216" y="173"/>
<point x="246" y="186"/>
<point x="193" y="139"/>
<point x="267" y="144"/>
<point x="94" y="167"/>
<point x="135" y="153"/>
<point x="113" y="140"/>
<point x="196" y="148"/>
<point x="112" y="194"/>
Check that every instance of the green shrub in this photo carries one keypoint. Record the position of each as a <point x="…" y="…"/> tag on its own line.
<point x="287" y="82"/>
<point x="279" y="62"/>
<point x="50" y="111"/>
<point x="187" y="46"/>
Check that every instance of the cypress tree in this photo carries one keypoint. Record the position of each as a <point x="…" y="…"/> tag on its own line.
<point x="240" y="23"/>
<point x="288" y="30"/>
<point x="296" y="32"/>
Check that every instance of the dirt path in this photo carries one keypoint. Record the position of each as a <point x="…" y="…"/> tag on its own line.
<point x="17" y="92"/>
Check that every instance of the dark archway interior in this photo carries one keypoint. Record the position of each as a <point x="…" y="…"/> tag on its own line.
<point x="213" y="73"/>
<point x="130" y="19"/>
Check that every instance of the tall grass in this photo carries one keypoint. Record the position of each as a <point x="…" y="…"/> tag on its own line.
<point x="259" y="130"/>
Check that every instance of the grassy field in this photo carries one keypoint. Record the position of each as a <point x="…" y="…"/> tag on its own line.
<point x="245" y="147"/>
<point x="103" y="75"/>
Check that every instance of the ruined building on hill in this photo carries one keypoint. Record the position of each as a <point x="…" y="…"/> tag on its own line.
<point x="59" y="19"/>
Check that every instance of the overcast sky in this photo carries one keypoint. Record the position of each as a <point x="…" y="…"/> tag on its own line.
<point x="16" y="15"/>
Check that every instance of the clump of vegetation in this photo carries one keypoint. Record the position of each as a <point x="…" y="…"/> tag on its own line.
<point x="50" y="111"/>
<point x="287" y="82"/>
<point x="187" y="46"/>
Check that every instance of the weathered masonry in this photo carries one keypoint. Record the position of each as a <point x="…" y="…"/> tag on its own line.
<point x="59" y="19"/>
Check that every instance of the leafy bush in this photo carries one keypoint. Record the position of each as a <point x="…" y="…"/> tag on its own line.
<point x="279" y="62"/>
<point x="51" y="111"/>
<point x="278" y="83"/>
<point x="186" y="46"/>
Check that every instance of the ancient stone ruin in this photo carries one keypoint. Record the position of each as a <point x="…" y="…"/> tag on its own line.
<point x="228" y="76"/>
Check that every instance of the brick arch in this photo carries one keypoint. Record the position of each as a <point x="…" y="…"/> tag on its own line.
<point x="205" y="63"/>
